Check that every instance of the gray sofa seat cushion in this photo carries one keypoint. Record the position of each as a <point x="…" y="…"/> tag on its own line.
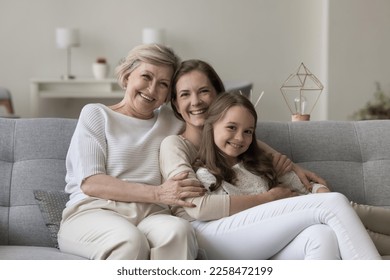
<point x="34" y="253"/>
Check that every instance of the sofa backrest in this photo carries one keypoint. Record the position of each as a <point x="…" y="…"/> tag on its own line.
<point x="32" y="157"/>
<point x="353" y="157"/>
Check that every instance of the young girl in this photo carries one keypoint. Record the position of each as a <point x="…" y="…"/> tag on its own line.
<point x="234" y="164"/>
<point x="230" y="162"/>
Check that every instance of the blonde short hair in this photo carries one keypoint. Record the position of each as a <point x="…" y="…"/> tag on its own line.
<point x="148" y="53"/>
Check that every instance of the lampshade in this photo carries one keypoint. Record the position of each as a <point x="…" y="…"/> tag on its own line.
<point x="153" y="36"/>
<point x="67" y="37"/>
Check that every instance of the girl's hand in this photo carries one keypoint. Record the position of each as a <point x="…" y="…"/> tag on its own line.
<point x="319" y="188"/>
<point x="175" y="190"/>
<point x="281" y="191"/>
<point x="307" y="177"/>
<point x="323" y="190"/>
<point x="281" y="163"/>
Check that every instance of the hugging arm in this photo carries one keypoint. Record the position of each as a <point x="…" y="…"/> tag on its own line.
<point x="283" y="165"/>
<point x="171" y="192"/>
<point x="87" y="168"/>
<point x="176" y="157"/>
<point x="240" y="203"/>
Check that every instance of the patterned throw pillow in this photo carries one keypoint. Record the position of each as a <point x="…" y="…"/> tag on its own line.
<point x="51" y="204"/>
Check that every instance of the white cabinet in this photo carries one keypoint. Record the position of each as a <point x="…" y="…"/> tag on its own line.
<point x="66" y="89"/>
<point x="89" y="89"/>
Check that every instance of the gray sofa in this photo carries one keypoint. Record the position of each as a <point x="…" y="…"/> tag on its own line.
<point x="354" y="157"/>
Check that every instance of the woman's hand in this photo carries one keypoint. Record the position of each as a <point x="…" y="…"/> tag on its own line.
<point x="175" y="190"/>
<point x="240" y="203"/>
<point x="281" y="163"/>
<point x="281" y="191"/>
<point x="172" y="192"/>
<point x="307" y="177"/>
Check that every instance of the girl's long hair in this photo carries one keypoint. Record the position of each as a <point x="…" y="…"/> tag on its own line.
<point x="211" y="157"/>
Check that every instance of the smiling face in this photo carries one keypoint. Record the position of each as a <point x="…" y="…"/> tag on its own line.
<point x="147" y="89"/>
<point x="195" y="93"/>
<point x="233" y="132"/>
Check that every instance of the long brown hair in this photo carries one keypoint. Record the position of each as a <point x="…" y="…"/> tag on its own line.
<point x="254" y="158"/>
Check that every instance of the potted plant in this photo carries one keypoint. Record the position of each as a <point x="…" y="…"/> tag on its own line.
<point x="376" y="109"/>
<point x="100" y="68"/>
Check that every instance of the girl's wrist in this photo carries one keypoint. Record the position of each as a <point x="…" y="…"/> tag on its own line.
<point x="265" y="197"/>
<point x="316" y="187"/>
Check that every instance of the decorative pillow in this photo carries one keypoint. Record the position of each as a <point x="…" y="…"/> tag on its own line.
<point x="51" y="204"/>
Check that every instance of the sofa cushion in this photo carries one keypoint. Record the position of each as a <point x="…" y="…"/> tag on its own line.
<point x="34" y="253"/>
<point x="52" y="203"/>
<point x="32" y="156"/>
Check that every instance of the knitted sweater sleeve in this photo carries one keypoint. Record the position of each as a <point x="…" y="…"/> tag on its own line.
<point x="175" y="158"/>
<point x="87" y="151"/>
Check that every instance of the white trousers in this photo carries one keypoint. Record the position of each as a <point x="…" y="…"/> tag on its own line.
<point x="318" y="226"/>
<point x="103" y="229"/>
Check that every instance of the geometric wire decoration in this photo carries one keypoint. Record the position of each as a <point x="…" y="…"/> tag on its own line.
<point x="250" y="97"/>
<point x="301" y="92"/>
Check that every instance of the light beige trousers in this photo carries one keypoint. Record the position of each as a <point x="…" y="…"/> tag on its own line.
<point x="377" y="222"/>
<point x="104" y="229"/>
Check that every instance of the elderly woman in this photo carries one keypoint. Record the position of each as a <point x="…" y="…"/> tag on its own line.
<point x="118" y="204"/>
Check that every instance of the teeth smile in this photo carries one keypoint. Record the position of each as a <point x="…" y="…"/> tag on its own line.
<point x="235" y="145"/>
<point x="198" y="112"/>
<point x="146" y="97"/>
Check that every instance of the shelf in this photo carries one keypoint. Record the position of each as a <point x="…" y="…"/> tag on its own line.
<point x="71" y="89"/>
<point x="90" y="88"/>
<point x="85" y="94"/>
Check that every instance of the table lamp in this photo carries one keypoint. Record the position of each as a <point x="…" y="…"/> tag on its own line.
<point x="66" y="38"/>
<point x="301" y="92"/>
<point x="153" y="36"/>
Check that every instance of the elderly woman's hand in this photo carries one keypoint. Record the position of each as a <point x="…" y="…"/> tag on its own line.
<point x="176" y="189"/>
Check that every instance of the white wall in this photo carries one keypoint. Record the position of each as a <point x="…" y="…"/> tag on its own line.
<point x="359" y="54"/>
<point x="262" y="41"/>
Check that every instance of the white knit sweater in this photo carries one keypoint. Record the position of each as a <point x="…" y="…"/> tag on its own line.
<point x="107" y="142"/>
<point x="247" y="182"/>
